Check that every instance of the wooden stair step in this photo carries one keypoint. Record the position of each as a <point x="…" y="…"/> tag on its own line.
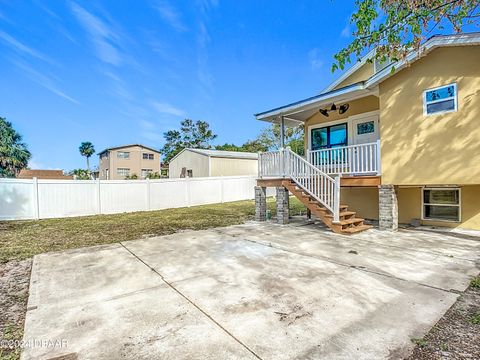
<point x="356" y="229"/>
<point x="343" y="215"/>
<point x="349" y="224"/>
<point x="351" y="221"/>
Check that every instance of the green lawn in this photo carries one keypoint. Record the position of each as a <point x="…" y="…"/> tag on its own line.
<point x="23" y="239"/>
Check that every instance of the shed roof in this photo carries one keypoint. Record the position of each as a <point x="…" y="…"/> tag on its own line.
<point x="221" y="154"/>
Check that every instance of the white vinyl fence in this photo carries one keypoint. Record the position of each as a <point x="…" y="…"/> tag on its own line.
<point x="40" y="199"/>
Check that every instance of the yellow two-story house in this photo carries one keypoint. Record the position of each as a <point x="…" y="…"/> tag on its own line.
<point x="395" y="142"/>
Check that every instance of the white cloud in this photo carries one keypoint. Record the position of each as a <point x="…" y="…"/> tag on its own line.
<point x="145" y="124"/>
<point x="149" y="131"/>
<point x="152" y="136"/>
<point x="204" y="76"/>
<point x="22" y="48"/>
<point x="166" y="108"/>
<point x="43" y="80"/>
<point x="170" y="15"/>
<point x="37" y="165"/>
<point x="119" y="87"/>
<point x="346" y="31"/>
<point x="314" y="58"/>
<point x="203" y="73"/>
<point x="104" y="39"/>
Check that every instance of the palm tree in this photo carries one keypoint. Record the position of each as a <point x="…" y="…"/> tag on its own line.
<point x="86" y="149"/>
<point x="14" y="154"/>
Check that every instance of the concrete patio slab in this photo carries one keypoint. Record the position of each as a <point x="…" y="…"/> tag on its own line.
<point x="433" y="259"/>
<point x="254" y="290"/>
<point x="102" y="303"/>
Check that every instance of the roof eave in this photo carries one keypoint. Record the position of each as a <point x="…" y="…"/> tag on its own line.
<point x="316" y="100"/>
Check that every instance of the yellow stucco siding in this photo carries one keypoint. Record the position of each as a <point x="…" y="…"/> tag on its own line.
<point x="233" y="167"/>
<point x="362" y="74"/>
<point x="435" y="149"/>
<point x="360" y="106"/>
<point x="362" y="200"/>
<point x="409" y="204"/>
<point x="365" y="202"/>
<point x="410" y="207"/>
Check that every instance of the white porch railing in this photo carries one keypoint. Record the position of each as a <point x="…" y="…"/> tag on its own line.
<point x="319" y="185"/>
<point x="361" y="159"/>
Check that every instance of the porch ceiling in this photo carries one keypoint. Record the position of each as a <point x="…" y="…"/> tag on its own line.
<point x="298" y="112"/>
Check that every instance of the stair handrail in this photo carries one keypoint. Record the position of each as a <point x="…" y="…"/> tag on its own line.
<point x="316" y="183"/>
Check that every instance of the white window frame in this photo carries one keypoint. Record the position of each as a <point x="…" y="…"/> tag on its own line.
<point x="425" y="103"/>
<point x="148" y="156"/>
<point x="459" y="205"/>
<point x="122" y="157"/>
<point x="127" y="174"/>
<point x="144" y="172"/>
<point x="350" y="128"/>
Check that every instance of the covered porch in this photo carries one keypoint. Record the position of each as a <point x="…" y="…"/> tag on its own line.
<point x="342" y="150"/>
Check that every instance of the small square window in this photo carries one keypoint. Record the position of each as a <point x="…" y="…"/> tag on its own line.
<point x="440" y="100"/>
<point x="147" y="156"/>
<point x="366" y="128"/>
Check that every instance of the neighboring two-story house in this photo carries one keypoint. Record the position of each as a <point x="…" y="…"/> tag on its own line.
<point x="397" y="142"/>
<point x="116" y="163"/>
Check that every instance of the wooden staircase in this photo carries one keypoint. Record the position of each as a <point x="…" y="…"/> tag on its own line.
<point x="348" y="224"/>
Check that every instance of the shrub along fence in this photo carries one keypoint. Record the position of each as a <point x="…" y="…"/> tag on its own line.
<point x="41" y="199"/>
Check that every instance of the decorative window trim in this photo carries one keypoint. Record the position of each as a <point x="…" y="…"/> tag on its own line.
<point x="459" y="205"/>
<point x="455" y="100"/>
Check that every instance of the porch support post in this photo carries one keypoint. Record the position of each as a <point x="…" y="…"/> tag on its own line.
<point x="282" y="132"/>
<point x="283" y="205"/>
<point x="388" y="208"/>
<point x="260" y="203"/>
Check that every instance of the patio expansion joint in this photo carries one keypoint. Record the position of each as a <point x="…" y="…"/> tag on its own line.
<point x="191" y="302"/>
<point x="346" y="265"/>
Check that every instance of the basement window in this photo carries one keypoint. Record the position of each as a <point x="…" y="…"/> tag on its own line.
<point x="441" y="204"/>
<point x="440" y="100"/>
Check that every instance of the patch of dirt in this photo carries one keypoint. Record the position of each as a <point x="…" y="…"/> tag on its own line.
<point x="457" y="334"/>
<point x="14" y="283"/>
<point x="296" y="313"/>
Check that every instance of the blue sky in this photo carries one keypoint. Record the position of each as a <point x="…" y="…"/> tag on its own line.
<point x="114" y="72"/>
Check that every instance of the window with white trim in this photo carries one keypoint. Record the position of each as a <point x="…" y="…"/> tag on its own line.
<point x="148" y="156"/>
<point x="440" y="100"/>
<point x="123" y="155"/>
<point x="145" y="172"/>
<point x="441" y="204"/>
<point x="123" y="171"/>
